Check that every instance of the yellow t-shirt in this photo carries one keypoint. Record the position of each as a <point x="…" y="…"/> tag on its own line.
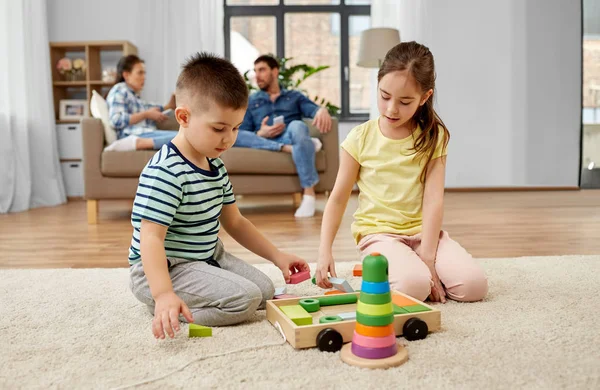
<point x="391" y="193"/>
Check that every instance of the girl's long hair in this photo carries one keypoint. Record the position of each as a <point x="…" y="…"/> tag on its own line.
<point x="418" y="60"/>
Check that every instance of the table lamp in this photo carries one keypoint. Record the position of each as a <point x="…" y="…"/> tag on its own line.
<point x="374" y="45"/>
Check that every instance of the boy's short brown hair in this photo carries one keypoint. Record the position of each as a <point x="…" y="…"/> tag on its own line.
<point x="206" y="78"/>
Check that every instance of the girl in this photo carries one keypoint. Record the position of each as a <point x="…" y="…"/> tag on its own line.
<point x="399" y="162"/>
<point x="133" y="118"/>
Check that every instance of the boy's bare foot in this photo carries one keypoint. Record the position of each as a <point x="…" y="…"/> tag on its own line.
<point x="287" y="149"/>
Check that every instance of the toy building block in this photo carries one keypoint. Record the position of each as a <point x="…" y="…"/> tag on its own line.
<point x="402" y="301"/>
<point x="199" y="331"/>
<point x="351" y="315"/>
<point x="311" y="305"/>
<point x="379" y="348"/>
<point x="280" y="291"/>
<point x="297" y="314"/>
<point x="299" y="277"/>
<point x="416" y="308"/>
<point x="341" y="284"/>
<point x="357" y="271"/>
<point x="285" y="296"/>
<point x="337" y="299"/>
<point x="329" y="319"/>
<point x="399" y="310"/>
<point x="333" y="292"/>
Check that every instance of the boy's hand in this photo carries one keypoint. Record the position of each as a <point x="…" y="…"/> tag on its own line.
<point x="325" y="266"/>
<point x="166" y="314"/>
<point x="289" y="263"/>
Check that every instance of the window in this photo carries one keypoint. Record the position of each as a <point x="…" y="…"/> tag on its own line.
<point x="314" y="32"/>
<point x="309" y="41"/>
<point x="250" y="37"/>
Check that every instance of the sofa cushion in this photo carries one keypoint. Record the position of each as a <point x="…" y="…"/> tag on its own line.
<point x="264" y="162"/>
<point x="125" y="164"/>
<point x="237" y="161"/>
<point x="99" y="110"/>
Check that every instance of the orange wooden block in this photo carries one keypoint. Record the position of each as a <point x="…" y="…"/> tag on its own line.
<point x="374" y="331"/>
<point x="400" y="301"/>
<point x="333" y="292"/>
<point x="357" y="271"/>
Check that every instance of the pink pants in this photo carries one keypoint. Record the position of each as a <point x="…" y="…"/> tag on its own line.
<point x="461" y="276"/>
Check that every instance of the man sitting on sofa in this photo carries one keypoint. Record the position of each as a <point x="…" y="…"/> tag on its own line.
<point x="273" y="121"/>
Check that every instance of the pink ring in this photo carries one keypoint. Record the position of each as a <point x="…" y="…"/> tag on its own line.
<point x="374" y="342"/>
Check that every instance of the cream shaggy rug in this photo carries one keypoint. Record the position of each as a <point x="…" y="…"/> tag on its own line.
<point x="538" y="329"/>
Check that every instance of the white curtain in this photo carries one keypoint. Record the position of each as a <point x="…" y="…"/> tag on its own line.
<point x="30" y="173"/>
<point x="171" y="31"/>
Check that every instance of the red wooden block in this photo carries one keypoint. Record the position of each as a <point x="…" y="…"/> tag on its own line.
<point x="333" y="292"/>
<point x="299" y="277"/>
<point x="357" y="271"/>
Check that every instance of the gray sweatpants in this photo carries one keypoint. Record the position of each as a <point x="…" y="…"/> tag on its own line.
<point x="216" y="296"/>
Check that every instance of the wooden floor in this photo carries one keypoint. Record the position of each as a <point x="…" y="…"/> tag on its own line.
<point x="488" y="224"/>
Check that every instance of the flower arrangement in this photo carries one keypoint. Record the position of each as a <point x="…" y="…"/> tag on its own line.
<point x="71" y="70"/>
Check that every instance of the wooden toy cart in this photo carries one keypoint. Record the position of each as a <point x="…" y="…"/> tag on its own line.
<point x="330" y="337"/>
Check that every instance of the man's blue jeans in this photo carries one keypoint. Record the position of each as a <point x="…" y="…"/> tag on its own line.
<point x="303" y="150"/>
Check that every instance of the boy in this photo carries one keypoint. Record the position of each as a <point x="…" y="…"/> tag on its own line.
<point x="178" y="264"/>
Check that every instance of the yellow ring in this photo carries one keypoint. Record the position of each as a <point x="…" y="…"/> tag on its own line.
<point x="375" y="310"/>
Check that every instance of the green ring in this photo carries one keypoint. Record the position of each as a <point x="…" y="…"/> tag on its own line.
<point x="375" y="299"/>
<point x="311" y="305"/>
<point x="374" y="320"/>
<point x="328" y="319"/>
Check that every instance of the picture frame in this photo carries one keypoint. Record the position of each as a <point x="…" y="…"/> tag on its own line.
<point x="73" y="109"/>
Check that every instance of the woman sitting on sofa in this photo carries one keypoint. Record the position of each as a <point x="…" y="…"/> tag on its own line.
<point x="133" y="118"/>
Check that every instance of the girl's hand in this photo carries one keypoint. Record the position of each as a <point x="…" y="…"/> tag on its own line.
<point x="166" y="314"/>
<point x="325" y="266"/>
<point x="289" y="263"/>
<point x="438" y="294"/>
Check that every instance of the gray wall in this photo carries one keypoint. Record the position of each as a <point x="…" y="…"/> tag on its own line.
<point x="138" y="21"/>
<point x="591" y="17"/>
<point x="508" y="83"/>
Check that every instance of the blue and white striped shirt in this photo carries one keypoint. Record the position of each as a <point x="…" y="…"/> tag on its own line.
<point x="122" y="103"/>
<point x="174" y="192"/>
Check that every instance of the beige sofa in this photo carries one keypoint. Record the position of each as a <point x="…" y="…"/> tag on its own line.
<point x="114" y="175"/>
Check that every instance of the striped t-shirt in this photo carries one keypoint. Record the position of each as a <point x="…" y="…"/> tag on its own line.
<point x="174" y="192"/>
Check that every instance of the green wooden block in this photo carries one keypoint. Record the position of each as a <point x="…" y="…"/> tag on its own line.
<point x="199" y="331"/>
<point x="375" y="268"/>
<point x="297" y="314"/>
<point x="399" y="310"/>
<point x="338" y="299"/>
<point x="374" y="320"/>
<point x="328" y="319"/>
<point x="416" y="308"/>
<point x="375" y="299"/>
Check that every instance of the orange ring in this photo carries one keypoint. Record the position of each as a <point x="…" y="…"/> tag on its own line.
<point x="374" y="331"/>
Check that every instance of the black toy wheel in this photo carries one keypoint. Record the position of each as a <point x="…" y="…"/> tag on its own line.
<point x="415" y="329"/>
<point x="329" y="340"/>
